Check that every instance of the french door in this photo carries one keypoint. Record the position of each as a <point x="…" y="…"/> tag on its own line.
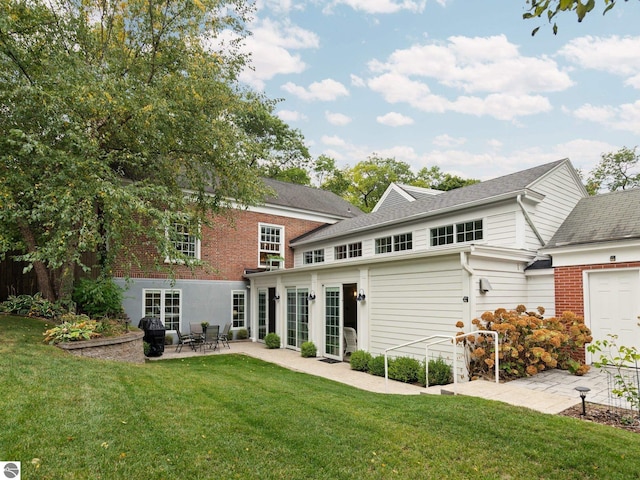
<point x="297" y="317"/>
<point x="263" y="313"/>
<point x="332" y="323"/>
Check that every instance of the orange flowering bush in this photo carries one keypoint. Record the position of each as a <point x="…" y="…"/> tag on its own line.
<point x="527" y="343"/>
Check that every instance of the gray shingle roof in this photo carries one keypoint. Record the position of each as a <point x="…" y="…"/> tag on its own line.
<point x="429" y="206"/>
<point x="309" y="198"/>
<point x="606" y="217"/>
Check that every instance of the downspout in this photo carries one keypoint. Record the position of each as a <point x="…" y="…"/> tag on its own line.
<point x="529" y="221"/>
<point x="471" y="303"/>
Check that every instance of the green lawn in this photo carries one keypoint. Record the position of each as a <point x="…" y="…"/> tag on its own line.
<point x="233" y="416"/>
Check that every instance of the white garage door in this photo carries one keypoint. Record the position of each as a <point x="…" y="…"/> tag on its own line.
<point x="613" y="305"/>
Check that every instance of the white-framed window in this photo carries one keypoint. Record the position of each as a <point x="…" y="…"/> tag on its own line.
<point x="340" y="252"/>
<point x="384" y="245"/>
<point x="313" y="256"/>
<point x="355" y="249"/>
<point x="350" y="250"/>
<point x="403" y="241"/>
<point x="185" y="242"/>
<point x="457" y="233"/>
<point x="238" y="309"/>
<point x="270" y="241"/>
<point x="395" y="243"/>
<point x="165" y="304"/>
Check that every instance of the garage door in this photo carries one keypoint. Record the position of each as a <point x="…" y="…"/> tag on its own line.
<point x="613" y="305"/>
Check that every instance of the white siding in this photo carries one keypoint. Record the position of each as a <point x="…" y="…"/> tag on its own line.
<point x="541" y="290"/>
<point x="562" y="193"/>
<point x="411" y="301"/>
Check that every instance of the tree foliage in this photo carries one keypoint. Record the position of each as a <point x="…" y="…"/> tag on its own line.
<point x="110" y="111"/>
<point x="616" y="171"/>
<point x="551" y="8"/>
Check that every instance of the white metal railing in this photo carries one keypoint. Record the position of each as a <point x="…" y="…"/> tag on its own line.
<point x="442" y="339"/>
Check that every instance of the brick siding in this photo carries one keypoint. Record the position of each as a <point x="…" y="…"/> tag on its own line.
<point x="228" y="248"/>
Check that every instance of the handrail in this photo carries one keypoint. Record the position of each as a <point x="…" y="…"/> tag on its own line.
<point x="442" y="339"/>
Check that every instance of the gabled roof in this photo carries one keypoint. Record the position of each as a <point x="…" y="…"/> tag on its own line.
<point x="488" y="191"/>
<point x="607" y="217"/>
<point x="301" y="197"/>
<point x="399" y="193"/>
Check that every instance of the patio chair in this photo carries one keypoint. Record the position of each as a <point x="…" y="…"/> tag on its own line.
<point x="184" y="340"/>
<point x="350" y="340"/>
<point x="211" y="336"/>
<point x="224" y="335"/>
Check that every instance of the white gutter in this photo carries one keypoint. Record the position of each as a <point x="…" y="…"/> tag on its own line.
<point x="529" y="221"/>
<point x="471" y="298"/>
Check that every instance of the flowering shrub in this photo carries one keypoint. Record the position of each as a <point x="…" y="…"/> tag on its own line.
<point x="527" y="343"/>
<point x="73" y="328"/>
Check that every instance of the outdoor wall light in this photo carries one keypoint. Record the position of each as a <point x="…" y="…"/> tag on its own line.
<point x="276" y="297"/>
<point x="361" y="296"/>
<point x="312" y="295"/>
<point x="583" y="394"/>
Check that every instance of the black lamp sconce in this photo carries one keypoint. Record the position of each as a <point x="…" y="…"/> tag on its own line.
<point x="361" y="296"/>
<point x="312" y="295"/>
<point x="276" y="297"/>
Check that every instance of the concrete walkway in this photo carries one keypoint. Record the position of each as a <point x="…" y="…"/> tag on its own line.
<point x="548" y="392"/>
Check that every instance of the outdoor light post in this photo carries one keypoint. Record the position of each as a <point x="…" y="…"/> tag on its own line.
<point x="583" y="394"/>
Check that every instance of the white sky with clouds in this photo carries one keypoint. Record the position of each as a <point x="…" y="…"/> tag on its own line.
<point x="460" y="84"/>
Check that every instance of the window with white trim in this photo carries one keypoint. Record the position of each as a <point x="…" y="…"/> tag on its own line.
<point x="164" y="304"/>
<point x="313" y="256"/>
<point x="395" y="243"/>
<point x="185" y="242"/>
<point x="457" y="233"/>
<point x="270" y="243"/>
<point x="384" y="245"/>
<point x="350" y="250"/>
<point x="238" y="301"/>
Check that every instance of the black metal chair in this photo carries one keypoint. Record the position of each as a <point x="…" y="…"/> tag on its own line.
<point x="211" y="336"/>
<point x="184" y="340"/>
<point x="224" y="335"/>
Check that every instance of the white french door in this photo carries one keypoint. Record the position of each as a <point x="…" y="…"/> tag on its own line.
<point x="297" y="317"/>
<point x="333" y="323"/>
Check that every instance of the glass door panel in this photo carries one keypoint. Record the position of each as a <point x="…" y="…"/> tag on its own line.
<point x="332" y="337"/>
<point x="262" y="314"/>
<point x="297" y="317"/>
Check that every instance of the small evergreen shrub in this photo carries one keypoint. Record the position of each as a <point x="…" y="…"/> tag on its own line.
<point x="376" y="366"/>
<point x="404" y="369"/>
<point x="308" y="349"/>
<point x="272" y="340"/>
<point x="98" y="298"/>
<point x="242" y="334"/>
<point x="440" y="373"/>
<point x="359" y="360"/>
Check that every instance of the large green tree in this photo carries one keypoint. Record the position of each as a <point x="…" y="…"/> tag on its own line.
<point x="551" y="8"/>
<point x="116" y="119"/>
<point x="616" y="171"/>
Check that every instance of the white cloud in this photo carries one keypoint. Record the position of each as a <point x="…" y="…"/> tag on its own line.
<point x="378" y="6"/>
<point x="479" y="64"/>
<point x="394" y="119"/>
<point x="338" y="119"/>
<point x="271" y="45"/>
<point x="495" y="143"/>
<point x="625" y="117"/>
<point x="290" y="116"/>
<point x="357" y="81"/>
<point x="448" y="141"/>
<point x="464" y="65"/>
<point x="325" y="90"/>
<point x="614" y="54"/>
<point x="333" y="140"/>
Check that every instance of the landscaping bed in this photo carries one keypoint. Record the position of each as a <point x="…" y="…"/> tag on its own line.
<point x="605" y="415"/>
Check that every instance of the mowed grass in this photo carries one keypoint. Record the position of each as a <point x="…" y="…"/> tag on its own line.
<point x="231" y="416"/>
